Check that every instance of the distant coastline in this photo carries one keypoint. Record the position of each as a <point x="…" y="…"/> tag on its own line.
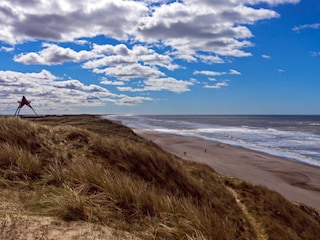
<point x="294" y="137"/>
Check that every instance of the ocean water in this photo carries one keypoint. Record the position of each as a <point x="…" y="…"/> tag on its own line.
<point x="294" y="137"/>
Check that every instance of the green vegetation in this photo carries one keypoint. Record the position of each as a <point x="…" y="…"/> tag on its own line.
<point x="84" y="168"/>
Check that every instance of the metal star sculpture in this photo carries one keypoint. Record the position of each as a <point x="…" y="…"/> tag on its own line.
<point x="23" y="102"/>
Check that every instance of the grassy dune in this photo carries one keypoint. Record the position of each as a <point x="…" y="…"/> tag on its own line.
<point x="90" y="170"/>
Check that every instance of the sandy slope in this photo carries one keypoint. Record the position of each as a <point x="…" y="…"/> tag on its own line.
<point x="15" y="224"/>
<point x="296" y="181"/>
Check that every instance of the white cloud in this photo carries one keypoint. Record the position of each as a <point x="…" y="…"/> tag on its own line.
<point x="131" y="101"/>
<point x="120" y="54"/>
<point x="209" y="26"/>
<point x="212" y="73"/>
<point x="131" y="71"/>
<point x="81" y="42"/>
<point x="156" y="59"/>
<point x="54" y="54"/>
<point x="234" y="72"/>
<point x="115" y="61"/>
<point x="306" y="26"/>
<point x="169" y="84"/>
<point x="50" y="92"/>
<point x="109" y="61"/>
<point x="160" y="84"/>
<point x="77" y="85"/>
<point x="187" y="26"/>
<point x="209" y="59"/>
<point x="208" y="31"/>
<point x="217" y="85"/>
<point x="265" y="56"/>
<point x="6" y="49"/>
<point x="66" y="20"/>
<point x="209" y="73"/>
<point x="105" y="81"/>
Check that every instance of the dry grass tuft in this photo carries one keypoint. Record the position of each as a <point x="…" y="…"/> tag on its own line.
<point x="18" y="164"/>
<point x="89" y="169"/>
<point x="275" y="215"/>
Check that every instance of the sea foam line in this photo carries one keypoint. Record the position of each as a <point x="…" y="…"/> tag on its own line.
<point x="239" y="143"/>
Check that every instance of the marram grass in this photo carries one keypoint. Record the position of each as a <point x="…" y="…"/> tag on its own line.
<point x="83" y="168"/>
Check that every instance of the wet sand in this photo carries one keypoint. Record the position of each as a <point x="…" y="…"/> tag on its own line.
<point x="296" y="181"/>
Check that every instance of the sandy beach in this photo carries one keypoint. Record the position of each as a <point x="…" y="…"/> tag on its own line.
<point x="296" y="181"/>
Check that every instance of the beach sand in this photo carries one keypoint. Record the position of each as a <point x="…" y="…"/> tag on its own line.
<point x="294" y="180"/>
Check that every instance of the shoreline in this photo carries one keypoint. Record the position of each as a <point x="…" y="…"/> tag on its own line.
<point x="295" y="180"/>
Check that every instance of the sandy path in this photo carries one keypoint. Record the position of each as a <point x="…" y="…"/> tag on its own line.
<point x="296" y="181"/>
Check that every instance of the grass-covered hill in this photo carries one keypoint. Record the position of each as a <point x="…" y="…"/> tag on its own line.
<point x="87" y="170"/>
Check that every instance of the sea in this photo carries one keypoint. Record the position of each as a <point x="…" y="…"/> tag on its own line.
<point x="295" y="137"/>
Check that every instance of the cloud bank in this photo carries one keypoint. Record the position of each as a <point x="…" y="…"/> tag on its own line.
<point x="151" y="40"/>
<point x="187" y="26"/>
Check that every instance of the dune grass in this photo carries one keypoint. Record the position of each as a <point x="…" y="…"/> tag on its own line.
<point x="276" y="216"/>
<point x="84" y="168"/>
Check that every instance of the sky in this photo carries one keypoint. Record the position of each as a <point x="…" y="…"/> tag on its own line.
<point x="160" y="56"/>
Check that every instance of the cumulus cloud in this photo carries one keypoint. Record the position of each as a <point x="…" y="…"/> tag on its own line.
<point x="77" y="85"/>
<point x="121" y="55"/>
<point x="159" y="84"/>
<point x="146" y="38"/>
<point x="200" y="25"/>
<point x="105" y="81"/>
<point x="132" y="71"/>
<point x="50" y="92"/>
<point x="66" y="20"/>
<point x="131" y="101"/>
<point x="54" y="54"/>
<point x="169" y="84"/>
<point x="209" y="59"/>
<point x="187" y="26"/>
<point x="116" y="61"/>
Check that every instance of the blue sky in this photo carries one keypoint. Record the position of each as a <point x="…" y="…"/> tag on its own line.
<point x="161" y="57"/>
